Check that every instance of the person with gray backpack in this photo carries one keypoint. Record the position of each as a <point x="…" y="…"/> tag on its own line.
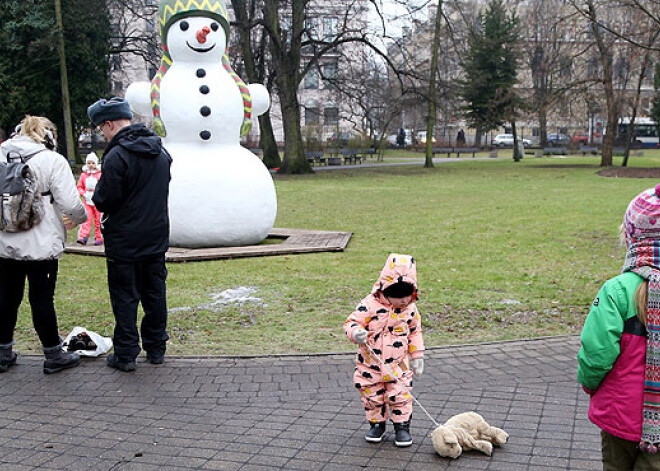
<point x="39" y="203"/>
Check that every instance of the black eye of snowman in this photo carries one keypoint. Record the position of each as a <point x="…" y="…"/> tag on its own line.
<point x="214" y="26"/>
<point x="184" y="25"/>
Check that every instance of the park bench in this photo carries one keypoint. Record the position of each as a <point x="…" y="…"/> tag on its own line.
<point x="315" y="158"/>
<point x="584" y="150"/>
<point x="466" y="150"/>
<point x="366" y="153"/>
<point x="350" y="156"/>
<point x="442" y="150"/>
<point x="554" y="150"/>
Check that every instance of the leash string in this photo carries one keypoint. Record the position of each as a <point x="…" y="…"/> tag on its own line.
<point x="391" y="373"/>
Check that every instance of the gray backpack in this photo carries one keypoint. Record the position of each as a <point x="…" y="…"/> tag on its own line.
<point x="22" y="205"/>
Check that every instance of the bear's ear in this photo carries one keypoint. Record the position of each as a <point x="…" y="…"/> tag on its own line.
<point x="450" y="437"/>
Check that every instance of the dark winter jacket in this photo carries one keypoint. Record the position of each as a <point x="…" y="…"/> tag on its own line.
<point x="132" y="195"/>
<point x="611" y="362"/>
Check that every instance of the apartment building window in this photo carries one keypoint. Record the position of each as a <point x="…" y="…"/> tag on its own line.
<point x="116" y="62"/>
<point x="648" y="73"/>
<point x="312" y="27"/>
<point x="312" y="115"/>
<point x="311" y="81"/>
<point x="330" y="69"/>
<point x="329" y="28"/>
<point x="330" y="115"/>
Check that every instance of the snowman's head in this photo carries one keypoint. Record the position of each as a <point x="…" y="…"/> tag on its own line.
<point x="185" y="20"/>
<point x="196" y="38"/>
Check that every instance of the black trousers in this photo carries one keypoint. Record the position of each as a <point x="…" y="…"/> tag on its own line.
<point x="130" y="283"/>
<point x="42" y="278"/>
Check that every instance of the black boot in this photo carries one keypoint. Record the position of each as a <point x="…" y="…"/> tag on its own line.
<point x="376" y="432"/>
<point x="57" y="359"/>
<point x="402" y="437"/>
<point x="120" y="364"/>
<point x="7" y="357"/>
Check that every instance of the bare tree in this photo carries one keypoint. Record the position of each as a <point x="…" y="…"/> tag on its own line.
<point x="253" y="52"/>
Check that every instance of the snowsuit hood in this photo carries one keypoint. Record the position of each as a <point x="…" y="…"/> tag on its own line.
<point x="399" y="268"/>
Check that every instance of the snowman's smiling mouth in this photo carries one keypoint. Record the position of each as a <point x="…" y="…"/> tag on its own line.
<point x="200" y="49"/>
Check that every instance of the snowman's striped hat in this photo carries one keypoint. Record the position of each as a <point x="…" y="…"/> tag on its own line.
<point x="170" y="11"/>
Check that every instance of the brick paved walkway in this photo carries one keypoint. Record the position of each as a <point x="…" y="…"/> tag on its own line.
<point x="291" y="413"/>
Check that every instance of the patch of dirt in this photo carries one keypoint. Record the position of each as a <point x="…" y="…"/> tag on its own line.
<point x="626" y="172"/>
<point x="566" y="166"/>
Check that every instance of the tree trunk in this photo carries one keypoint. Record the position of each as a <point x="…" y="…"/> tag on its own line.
<point x="543" y="126"/>
<point x="66" y="106"/>
<point x="271" y="156"/>
<point x="294" y="151"/>
<point x="267" y="142"/>
<point x="517" y="156"/>
<point x="430" y="121"/>
<point x="477" y="136"/>
<point x="608" y="86"/>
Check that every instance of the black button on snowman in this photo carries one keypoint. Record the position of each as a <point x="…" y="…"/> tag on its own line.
<point x="221" y="194"/>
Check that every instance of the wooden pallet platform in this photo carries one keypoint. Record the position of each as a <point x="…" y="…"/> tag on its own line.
<point x="294" y="241"/>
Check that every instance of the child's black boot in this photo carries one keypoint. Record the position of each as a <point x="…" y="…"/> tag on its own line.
<point x="402" y="435"/>
<point x="57" y="359"/>
<point x="7" y="357"/>
<point x="376" y="432"/>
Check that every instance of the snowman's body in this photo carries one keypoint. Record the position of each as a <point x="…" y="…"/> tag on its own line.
<point x="221" y="194"/>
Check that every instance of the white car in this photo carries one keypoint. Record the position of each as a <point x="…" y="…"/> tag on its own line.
<point x="506" y="140"/>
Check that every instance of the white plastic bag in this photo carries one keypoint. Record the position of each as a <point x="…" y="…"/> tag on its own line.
<point x="103" y="344"/>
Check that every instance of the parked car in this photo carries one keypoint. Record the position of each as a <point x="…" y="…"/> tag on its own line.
<point x="421" y="138"/>
<point x="580" y="137"/>
<point x="392" y="139"/>
<point x="90" y="139"/>
<point x="558" y="140"/>
<point x="506" y="140"/>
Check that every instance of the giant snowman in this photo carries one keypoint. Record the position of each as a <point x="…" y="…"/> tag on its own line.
<point x="221" y="194"/>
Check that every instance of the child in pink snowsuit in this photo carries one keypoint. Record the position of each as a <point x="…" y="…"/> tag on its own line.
<point x="91" y="174"/>
<point x="388" y="322"/>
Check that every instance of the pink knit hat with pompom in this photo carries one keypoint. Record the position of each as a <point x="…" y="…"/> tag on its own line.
<point x="642" y="218"/>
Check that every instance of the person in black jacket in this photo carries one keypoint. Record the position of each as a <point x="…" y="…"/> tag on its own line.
<point x="132" y="195"/>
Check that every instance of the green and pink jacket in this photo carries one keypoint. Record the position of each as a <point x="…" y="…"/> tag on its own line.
<point x="611" y="361"/>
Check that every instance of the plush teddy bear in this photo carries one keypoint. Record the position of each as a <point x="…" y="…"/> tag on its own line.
<point x="466" y="431"/>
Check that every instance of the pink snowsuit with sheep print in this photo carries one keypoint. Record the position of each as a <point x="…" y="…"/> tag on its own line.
<point x="394" y="335"/>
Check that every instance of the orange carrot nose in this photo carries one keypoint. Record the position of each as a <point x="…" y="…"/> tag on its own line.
<point x="202" y="33"/>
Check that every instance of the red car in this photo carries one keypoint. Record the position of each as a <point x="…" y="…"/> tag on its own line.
<point x="580" y="137"/>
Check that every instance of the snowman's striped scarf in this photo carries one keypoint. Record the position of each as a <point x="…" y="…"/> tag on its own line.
<point x="166" y="62"/>
<point x="643" y="258"/>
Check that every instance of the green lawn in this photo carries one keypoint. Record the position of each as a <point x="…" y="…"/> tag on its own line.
<point x="505" y="250"/>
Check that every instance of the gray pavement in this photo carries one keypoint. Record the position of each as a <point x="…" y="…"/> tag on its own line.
<point x="292" y="413"/>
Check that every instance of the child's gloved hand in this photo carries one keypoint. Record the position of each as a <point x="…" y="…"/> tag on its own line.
<point x="418" y="367"/>
<point x="360" y="336"/>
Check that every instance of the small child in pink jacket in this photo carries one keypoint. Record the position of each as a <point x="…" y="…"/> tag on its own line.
<point x="387" y="321"/>
<point x="91" y="174"/>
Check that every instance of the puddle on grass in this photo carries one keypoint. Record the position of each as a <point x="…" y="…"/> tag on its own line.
<point x="230" y="297"/>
